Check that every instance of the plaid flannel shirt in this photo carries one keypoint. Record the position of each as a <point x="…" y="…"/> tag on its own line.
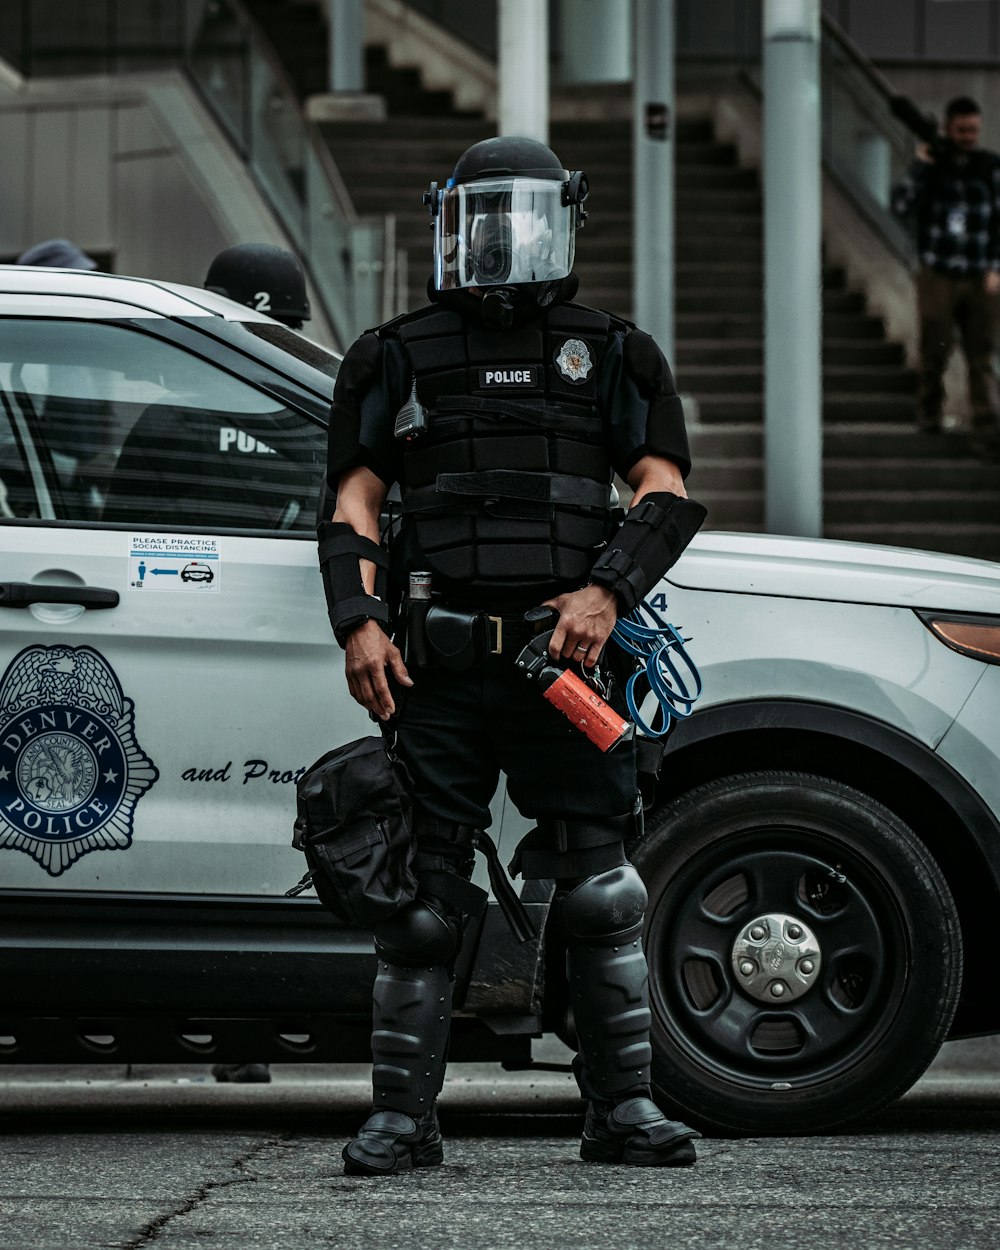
<point x="957" y="212"/>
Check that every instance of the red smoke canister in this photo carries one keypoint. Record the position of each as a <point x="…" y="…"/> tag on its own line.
<point x="583" y="707"/>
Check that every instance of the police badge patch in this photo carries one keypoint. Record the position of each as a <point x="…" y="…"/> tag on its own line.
<point x="573" y="360"/>
<point x="71" y="771"/>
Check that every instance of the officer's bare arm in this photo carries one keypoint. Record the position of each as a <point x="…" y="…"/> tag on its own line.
<point x="369" y="651"/>
<point x="653" y="473"/>
<point x="360" y="496"/>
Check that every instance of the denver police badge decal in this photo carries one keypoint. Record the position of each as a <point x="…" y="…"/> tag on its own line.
<point x="573" y="361"/>
<point x="71" y="771"/>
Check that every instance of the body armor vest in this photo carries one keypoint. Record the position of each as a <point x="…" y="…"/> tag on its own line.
<point x="507" y="491"/>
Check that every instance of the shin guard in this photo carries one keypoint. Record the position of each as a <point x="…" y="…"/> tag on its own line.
<point x="412" y="1020"/>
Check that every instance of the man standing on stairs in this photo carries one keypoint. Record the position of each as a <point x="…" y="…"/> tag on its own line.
<point x="502" y="410"/>
<point x="952" y="192"/>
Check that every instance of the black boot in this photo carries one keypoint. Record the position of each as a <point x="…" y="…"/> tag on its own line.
<point x="412" y="1019"/>
<point x="636" y="1132"/>
<point x="391" y="1141"/>
<point x="608" y="982"/>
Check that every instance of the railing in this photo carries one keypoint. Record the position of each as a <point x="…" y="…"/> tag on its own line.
<point x="350" y="259"/>
<point x="864" y="147"/>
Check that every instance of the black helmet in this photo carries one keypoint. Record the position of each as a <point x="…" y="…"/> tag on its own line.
<point x="263" y="277"/>
<point x="507" y="217"/>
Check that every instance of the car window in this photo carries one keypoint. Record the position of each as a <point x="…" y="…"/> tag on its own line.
<point x="135" y="431"/>
<point x="17" y="495"/>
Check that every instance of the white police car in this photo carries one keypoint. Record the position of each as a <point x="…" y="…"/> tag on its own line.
<point x="822" y="857"/>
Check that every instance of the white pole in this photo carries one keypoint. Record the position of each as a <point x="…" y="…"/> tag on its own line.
<point x="793" y="387"/>
<point x="596" y="40"/>
<point x="523" y="68"/>
<point x="653" y="179"/>
<point x="346" y="36"/>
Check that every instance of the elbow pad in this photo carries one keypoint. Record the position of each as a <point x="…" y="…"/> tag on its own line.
<point x="647" y="543"/>
<point x="348" y="603"/>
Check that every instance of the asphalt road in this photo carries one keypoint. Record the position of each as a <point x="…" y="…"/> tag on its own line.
<point x="165" y="1158"/>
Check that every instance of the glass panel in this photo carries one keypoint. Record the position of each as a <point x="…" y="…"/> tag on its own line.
<point x="219" y="62"/>
<point x="864" y="146"/>
<point x="135" y="431"/>
<point x="17" y="495"/>
<point x="278" y="140"/>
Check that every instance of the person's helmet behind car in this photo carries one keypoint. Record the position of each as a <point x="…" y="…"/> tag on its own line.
<point x="262" y="276"/>
<point x="507" y="216"/>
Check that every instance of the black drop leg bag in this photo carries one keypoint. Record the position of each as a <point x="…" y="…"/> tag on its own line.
<point x="354" y="825"/>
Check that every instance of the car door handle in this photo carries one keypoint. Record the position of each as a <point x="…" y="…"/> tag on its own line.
<point x="21" y="594"/>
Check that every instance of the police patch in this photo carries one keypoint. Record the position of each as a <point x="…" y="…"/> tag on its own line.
<point x="573" y="360"/>
<point x="71" y="771"/>
<point x="523" y="375"/>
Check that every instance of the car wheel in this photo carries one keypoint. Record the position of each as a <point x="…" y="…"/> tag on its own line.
<point x="804" y="953"/>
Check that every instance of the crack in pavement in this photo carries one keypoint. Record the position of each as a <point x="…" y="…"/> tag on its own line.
<point x="151" y="1231"/>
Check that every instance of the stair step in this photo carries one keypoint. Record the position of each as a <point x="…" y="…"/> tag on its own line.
<point x="736" y="406"/>
<point x="913" y="475"/>
<point x="450" y="130"/>
<point x="732" y="509"/>
<point x="903" y="507"/>
<point x="865" y="445"/>
<point x="977" y="540"/>
<point x="852" y="353"/>
<point x="720" y="200"/>
<point x="879" y="442"/>
<point x="837" y="379"/>
<point x="846" y="479"/>
<point x="706" y="154"/>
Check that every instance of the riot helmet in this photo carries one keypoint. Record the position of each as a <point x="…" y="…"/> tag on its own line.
<point x="507" y="217"/>
<point x="267" y="278"/>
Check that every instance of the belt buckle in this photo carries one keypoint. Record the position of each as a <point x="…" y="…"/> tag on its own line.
<point x="498" y="622"/>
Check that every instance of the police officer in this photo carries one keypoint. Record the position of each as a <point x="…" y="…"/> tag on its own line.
<point x="503" y="410"/>
<point x="267" y="278"/>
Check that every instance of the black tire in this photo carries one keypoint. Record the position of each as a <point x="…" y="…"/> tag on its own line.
<point x="888" y="976"/>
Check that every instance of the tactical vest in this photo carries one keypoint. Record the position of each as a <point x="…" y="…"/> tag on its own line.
<point x="508" y="489"/>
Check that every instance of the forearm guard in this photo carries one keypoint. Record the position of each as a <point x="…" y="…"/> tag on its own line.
<point x="646" y="544"/>
<point x="348" y="603"/>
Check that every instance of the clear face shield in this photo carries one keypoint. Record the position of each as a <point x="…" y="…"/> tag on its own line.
<point x="503" y="231"/>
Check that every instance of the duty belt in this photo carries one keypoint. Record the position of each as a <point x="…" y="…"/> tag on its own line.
<point x="446" y="635"/>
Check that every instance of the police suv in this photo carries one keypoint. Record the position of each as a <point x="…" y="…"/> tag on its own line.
<point x="822" y="853"/>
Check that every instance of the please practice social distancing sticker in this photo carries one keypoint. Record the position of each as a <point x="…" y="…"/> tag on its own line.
<point x="180" y="562"/>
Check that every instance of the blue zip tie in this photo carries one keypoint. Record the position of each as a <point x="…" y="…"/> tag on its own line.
<point x="658" y="647"/>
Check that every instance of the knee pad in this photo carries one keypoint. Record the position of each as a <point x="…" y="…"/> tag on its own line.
<point x="606" y="908"/>
<point x="415" y="936"/>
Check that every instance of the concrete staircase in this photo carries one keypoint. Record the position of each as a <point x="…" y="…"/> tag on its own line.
<point x="883" y="482"/>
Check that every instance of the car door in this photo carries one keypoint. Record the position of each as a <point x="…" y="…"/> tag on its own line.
<point x="166" y="667"/>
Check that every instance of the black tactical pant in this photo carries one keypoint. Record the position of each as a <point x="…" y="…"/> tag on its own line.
<point x="458" y="731"/>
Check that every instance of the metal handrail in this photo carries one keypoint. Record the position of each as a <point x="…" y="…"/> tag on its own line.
<point x="263" y="49"/>
<point x="865" y="148"/>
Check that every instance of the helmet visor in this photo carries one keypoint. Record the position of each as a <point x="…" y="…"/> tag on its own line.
<point x="501" y="231"/>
